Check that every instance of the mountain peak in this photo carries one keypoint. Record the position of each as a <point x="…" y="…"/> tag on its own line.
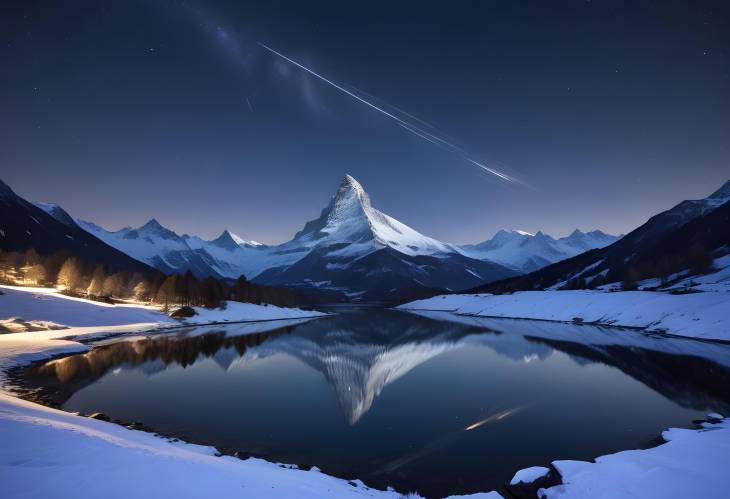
<point x="349" y="218"/>
<point x="226" y="241"/>
<point x="153" y="227"/>
<point x="352" y="181"/>
<point x="152" y="224"/>
<point x="350" y="201"/>
<point x="351" y="188"/>
<point x="57" y="212"/>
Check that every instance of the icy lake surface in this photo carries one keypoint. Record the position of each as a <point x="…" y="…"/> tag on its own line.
<point x="433" y="403"/>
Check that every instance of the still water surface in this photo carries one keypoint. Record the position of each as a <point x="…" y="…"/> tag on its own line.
<point x="432" y="403"/>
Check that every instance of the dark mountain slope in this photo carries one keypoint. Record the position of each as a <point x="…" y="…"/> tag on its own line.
<point x="682" y="237"/>
<point x="23" y="226"/>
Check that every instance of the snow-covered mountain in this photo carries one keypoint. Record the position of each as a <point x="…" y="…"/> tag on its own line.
<point x="351" y="247"/>
<point x="351" y="220"/>
<point x="355" y="248"/>
<point x="58" y="213"/>
<point x="226" y="256"/>
<point x="526" y="252"/>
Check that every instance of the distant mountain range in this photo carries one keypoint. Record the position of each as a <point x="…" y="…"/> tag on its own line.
<point x="351" y="248"/>
<point x="667" y="243"/>
<point x="526" y="252"/>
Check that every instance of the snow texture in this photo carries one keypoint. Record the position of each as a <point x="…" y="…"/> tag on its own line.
<point x="529" y="475"/>
<point x="693" y="463"/>
<point x="46" y="452"/>
<point x="47" y="305"/>
<point x="699" y="315"/>
<point x="234" y="311"/>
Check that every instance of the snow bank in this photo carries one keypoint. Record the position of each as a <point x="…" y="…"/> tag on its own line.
<point x="693" y="463"/>
<point x="699" y="315"/>
<point x="529" y="475"/>
<point x="46" y="452"/>
<point x="593" y="337"/>
<point x="35" y="306"/>
<point x="235" y="311"/>
<point x="35" y="309"/>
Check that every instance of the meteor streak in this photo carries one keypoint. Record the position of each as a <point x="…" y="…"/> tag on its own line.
<point x="493" y="419"/>
<point x="414" y="129"/>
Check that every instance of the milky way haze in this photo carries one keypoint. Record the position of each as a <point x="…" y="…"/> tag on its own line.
<point x="123" y="111"/>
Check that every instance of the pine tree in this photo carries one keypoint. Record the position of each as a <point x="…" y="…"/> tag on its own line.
<point x="167" y="293"/>
<point x="189" y="289"/>
<point x="241" y="288"/>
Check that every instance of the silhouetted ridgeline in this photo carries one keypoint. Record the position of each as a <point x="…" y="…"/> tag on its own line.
<point x="25" y="226"/>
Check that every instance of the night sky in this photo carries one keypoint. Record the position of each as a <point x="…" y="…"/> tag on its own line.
<point x="605" y="112"/>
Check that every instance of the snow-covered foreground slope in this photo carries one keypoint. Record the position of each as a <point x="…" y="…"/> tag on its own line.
<point x="47" y="453"/>
<point x="698" y="315"/>
<point x="46" y="307"/>
<point x="693" y="463"/>
<point x="234" y="311"/>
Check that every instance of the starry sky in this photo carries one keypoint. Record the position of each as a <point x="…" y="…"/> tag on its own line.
<point x="603" y="113"/>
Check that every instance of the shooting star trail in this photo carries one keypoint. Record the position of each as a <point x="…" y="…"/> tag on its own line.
<point x="493" y="418"/>
<point x="414" y="129"/>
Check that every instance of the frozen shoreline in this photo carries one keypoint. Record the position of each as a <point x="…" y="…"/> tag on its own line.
<point x="94" y="458"/>
<point x="701" y="315"/>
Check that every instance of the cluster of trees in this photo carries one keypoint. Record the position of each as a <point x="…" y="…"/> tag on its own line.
<point x="696" y="259"/>
<point x="75" y="277"/>
<point x="79" y="278"/>
<point x="188" y="290"/>
<point x="30" y="268"/>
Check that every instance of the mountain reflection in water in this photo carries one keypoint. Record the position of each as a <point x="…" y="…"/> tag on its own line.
<point x="449" y="427"/>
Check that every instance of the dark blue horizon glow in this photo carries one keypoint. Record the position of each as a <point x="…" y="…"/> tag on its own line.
<point x="121" y="112"/>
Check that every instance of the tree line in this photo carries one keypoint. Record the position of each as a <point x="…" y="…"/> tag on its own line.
<point x="76" y="277"/>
